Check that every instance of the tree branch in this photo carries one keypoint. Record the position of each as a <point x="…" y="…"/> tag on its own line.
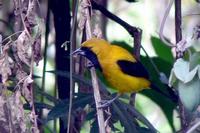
<point x="97" y="97"/>
<point x="178" y="22"/>
<point x="135" y="32"/>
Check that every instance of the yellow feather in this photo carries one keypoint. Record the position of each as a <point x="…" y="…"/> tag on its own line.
<point x="108" y="55"/>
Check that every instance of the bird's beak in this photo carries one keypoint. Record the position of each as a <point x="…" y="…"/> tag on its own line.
<point x="79" y="51"/>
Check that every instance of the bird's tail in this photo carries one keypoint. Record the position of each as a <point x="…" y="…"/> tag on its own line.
<point x="172" y="96"/>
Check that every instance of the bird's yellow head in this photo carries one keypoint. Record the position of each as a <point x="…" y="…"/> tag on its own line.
<point x="93" y="49"/>
<point x="96" y="45"/>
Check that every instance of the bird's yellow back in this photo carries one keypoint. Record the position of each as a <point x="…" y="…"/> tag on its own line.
<point x="108" y="56"/>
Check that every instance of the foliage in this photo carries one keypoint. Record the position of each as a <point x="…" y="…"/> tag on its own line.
<point x="22" y="99"/>
<point x="188" y="86"/>
<point x="19" y="52"/>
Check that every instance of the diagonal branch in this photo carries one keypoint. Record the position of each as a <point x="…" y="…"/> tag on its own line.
<point x="97" y="97"/>
<point x="135" y="32"/>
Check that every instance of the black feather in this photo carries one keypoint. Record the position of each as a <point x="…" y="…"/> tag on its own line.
<point x="133" y="68"/>
<point x="172" y="97"/>
<point x="92" y="57"/>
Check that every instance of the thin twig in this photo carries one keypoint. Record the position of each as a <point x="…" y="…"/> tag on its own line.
<point x="131" y="29"/>
<point x="163" y="24"/>
<point x="10" y="36"/>
<point x="136" y="51"/>
<point x="178" y="22"/>
<point x="190" y="15"/>
<point x="71" y="65"/>
<point x="97" y="96"/>
<point x="100" y="115"/>
<point x="140" y="117"/>
<point x="194" y="127"/>
<point x="135" y="32"/>
<point x="45" y="58"/>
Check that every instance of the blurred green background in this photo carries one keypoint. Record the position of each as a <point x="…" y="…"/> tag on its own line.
<point x="145" y="14"/>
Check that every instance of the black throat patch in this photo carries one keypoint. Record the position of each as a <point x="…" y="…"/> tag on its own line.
<point x="90" y="55"/>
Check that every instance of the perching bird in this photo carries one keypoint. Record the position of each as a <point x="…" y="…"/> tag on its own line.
<point x="119" y="67"/>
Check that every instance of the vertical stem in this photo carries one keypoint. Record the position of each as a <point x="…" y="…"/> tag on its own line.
<point x="72" y="38"/>
<point x="97" y="96"/>
<point x="178" y="22"/>
<point x="137" y="43"/>
<point x="103" y="18"/>
<point x="45" y="62"/>
<point x="136" y="51"/>
<point x="62" y="19"/>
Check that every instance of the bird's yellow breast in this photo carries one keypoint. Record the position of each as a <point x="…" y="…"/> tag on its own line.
<point x="113" y="74"/>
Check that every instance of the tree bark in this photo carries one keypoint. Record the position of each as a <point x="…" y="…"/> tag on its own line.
<point x="62" y="18"/>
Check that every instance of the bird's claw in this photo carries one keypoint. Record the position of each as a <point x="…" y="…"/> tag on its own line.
<point x="104" y="103"/>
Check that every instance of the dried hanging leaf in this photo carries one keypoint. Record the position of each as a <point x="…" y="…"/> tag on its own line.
<point x="20" y="74"/>
<point x="25" y="80"/>
<point x="12" y="115"/>
<point x="196" y="33"/>
<point x="17" y="112"/>
<point x="37" y="49"/>
<point x="26" y="89"/>
<point x="23" y="45"/>
<point x="32" y="117"/>
<point x="83" y="10"/>
<point x="5" y="64"/>
<point x="97" y="32"/>
<point x="3" y="120"/>
<point x="30" y="19"/>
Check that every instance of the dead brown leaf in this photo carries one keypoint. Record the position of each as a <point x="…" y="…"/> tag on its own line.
<point x="37" y="49"/>
<point x="5" y="64"/>
<point x="23" y="45"/>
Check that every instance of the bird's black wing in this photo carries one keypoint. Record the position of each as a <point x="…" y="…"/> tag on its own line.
<point x="133" y="68"/>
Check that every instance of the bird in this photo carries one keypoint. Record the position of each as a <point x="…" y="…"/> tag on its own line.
<point x="120" y="68"/>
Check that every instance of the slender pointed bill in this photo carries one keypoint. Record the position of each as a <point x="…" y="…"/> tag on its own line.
<point x="79" y="51"/>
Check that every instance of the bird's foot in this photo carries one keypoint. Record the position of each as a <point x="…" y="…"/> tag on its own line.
<point x="104" y="103"/>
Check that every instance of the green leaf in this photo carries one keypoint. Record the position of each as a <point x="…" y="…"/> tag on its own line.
<point x="190" y="93"/>
<point x="46" y="95"/>
<point x="161" y="101"/>
<point x="61" y="107"/>
<point x="172" y="78"/>
<point x="163" y="51"/>
<point x="76" y="77"/>
<point x="83" y="101"/>
<point x="182" y="70"/>
<point x="91" y="115"/>
<point x="59" y="110"/>
<point x="95" y="127"/>
<point x="140" y="117"/>
<point x="36" y="76"/>
<point x="194" y="60"/>
<point x="144" y="130"/>
<point x="39" y="106"/>
<point x="123" y="116"/>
